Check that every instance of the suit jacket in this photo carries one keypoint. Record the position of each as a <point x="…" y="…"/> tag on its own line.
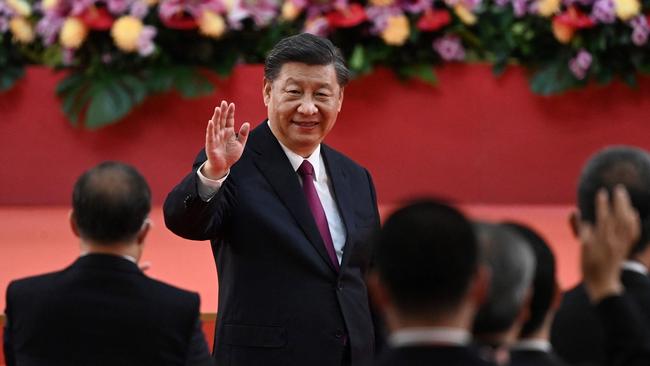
<point x="534" y="358"/>
<point x="101" y="310"/>
<point x="281" y="301"/>
<point x="577" y="334"/>
<point x="431" y="355"/>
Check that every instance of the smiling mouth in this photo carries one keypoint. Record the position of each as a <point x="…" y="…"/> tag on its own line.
<point x="305" y="124"/>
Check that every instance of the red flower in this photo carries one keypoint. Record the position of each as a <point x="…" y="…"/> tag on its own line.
<point x="433" y="20"/>
<point x="97" y="18"/>
<point x="574" y="18"/>
<point x="180" y="20"/>
<point x="347" y="17"/>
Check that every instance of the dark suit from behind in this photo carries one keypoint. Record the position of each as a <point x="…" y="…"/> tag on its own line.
<point x="431" y="355"/>
<point x="534" y="358"/>
<point x="577" y="334"/>
<point x="102" y="310"/>
<point x="281" y="301"/>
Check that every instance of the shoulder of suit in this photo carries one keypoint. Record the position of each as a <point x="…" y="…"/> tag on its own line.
<point x="171" y="289"/>
<point x="32" y="283"/>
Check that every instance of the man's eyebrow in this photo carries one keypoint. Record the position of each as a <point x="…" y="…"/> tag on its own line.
<point x="320" y="85"/>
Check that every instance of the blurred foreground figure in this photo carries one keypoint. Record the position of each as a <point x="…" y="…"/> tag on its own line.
<point x="429" y="285"/>
<point x="102" y="310"/>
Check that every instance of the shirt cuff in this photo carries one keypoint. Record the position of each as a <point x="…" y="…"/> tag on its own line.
<point x="208" y="187"/>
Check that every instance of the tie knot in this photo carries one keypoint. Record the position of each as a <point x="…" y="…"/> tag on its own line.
<point x="306" y="168"/>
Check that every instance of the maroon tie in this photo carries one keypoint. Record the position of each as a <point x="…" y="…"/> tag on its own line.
<point x="306" y="171"/>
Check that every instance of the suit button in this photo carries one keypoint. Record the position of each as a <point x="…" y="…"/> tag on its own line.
<point x="188" y="200"/>
<point x="339" y="333"/>
<point x="339" y="286"/>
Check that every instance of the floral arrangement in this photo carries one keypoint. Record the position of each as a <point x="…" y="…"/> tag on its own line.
<point x="117" y="52"/>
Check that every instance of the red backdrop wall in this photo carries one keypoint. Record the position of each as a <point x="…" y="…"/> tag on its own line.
<point x="474" y="138"/>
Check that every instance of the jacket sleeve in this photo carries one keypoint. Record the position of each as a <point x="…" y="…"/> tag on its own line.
<point x="10" y="359"/>
<point x="627" y="340"/>
<point x="188" y="216"/>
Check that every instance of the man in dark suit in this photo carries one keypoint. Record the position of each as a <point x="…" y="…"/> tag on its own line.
<point x="102" y="310"/>
<point x="512" y="265"/>
<point x="605" y="246"/>
<point x="533" y="348"/>
<point x="429" y="284"/>
<point x="287" y="217"/>
<point x="577" y="334"/>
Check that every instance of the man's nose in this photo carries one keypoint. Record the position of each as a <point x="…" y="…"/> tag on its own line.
<point x="307" y="107"/>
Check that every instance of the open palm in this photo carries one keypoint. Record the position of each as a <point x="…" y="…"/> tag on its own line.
<point x="223" y="146"/>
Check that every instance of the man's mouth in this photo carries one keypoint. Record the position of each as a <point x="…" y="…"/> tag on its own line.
<point x="305" y="124"/>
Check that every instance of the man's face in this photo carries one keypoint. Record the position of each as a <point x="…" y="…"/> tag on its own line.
<point x="302" y="105"/>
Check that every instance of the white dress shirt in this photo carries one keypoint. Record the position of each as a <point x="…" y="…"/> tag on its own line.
<point x="430" y="336"/>
<point x="209" y="187"/>
<point x="541" y="345"/>
<point x="635" y="266"/>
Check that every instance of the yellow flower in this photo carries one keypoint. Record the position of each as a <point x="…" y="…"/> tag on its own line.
<point x="229" y="4"/>
<point x="562" y="32"/>
<point x="397" y="30"/>
<point x="21" y="29"/>
<point x="21" y="7"/>
<point x="49" y="4"/>
<point x="382" y="2"/>
<point x="151" y="2"/>
<point x="212" y="24"/>
<point x="546" y="8"/>
<point x="464" y="14"/>
<point x="126" y="32"/>
<point x="73" y="33"/>
<point x="627" y="9"/>
<point x="289" y="10"/>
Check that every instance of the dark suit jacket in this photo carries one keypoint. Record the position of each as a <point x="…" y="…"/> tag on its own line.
<point x="431" y="355"/>
<point x="577" y="334"/>
<point x="534" y="358"/>
<point x="281" y="301"/>
<point x="101" y="310"/>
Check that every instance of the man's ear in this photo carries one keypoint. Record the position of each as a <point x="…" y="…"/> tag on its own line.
<point x="480" y="288"/>
<point x="266" y="91"/>
<point x="340" y="99"/>
<point x="144" y="230"/>
<point x="73" y="224"/>
<point x="574" y="223"/>
<point x="378" y="293"/>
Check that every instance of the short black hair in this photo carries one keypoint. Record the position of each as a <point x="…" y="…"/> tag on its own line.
<point x="544" y="280"/>
<point x="308" y="49"/>
<point x="618" y="165"/>
<point x="110" y="203"/>
<point x="426" y="255"/>
<point x="512" y="264"/>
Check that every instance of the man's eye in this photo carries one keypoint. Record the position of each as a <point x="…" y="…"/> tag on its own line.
<point x="293" y="91"/>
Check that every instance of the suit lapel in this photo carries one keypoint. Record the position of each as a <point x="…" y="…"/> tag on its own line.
<point x="274" y="165"/>
<point x="342" y="195"/>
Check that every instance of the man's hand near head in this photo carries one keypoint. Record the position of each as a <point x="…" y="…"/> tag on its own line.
<point x="608" y="243"/>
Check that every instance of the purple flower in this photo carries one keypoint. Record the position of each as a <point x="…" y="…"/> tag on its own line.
<point x="450" y="48"/>
<point x="639" y="36"/>
<point x="604" y="11"/>
<point x="193" y="7"/>
<point x="640" y="22"/>
<point x="145" y="41"/>
<point x="317" y="26"/>
<point x="4" y="24"/>
<point x="315" y="8"/>
<point x="501" y="3"/>
<point x="519" y="7"/>
<point x="48" y="27"/>
<point x="580" y="64"/>
<point x="118" y="7"/>
<point x="139" y="9"/>
<point x="378" y="16"/>
<point x="416" y="6"/>
<point x="261" y="11"/>
<point x="79" y="6"/>
<point x="68" y="56"/>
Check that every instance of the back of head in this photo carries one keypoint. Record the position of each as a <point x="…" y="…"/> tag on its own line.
<point x="544" y="281"/>
<point x="426" y="256"/>
<point x="110" y="203"/>
<point x="308" y="49"/>
<point x="624" y="165"/>
<point x="512" y="264"/>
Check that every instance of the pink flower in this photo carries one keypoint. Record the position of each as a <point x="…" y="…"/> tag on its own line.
<point x="450" y="48"/>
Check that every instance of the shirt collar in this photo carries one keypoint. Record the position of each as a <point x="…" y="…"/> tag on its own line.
<point x="635" y="266"/>
<point x="430" y="335"/>
<point x="541" y="345"/>
<point x="314" y="159"/>
<point x="127" y="257"/>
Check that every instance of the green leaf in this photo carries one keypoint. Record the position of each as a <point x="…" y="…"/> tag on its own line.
<point x="110" y="102"/>
<point x="422" y="72"/>
<point x="71" y="82"/>
<point x="358" y="58"/>
<point x="136" y="88"/>
<point x="191" y="84"/>
<point x="9" y="76"/>
<point x="552" y="79"/>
